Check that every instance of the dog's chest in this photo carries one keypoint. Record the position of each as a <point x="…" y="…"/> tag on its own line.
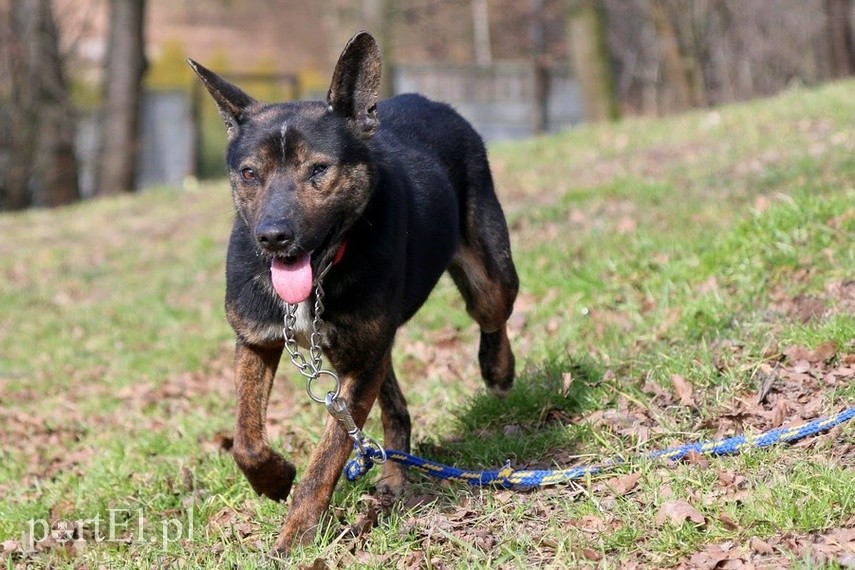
<point x="305" y="324"/>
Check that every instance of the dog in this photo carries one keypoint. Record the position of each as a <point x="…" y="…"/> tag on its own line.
<point x="396" y="193"/>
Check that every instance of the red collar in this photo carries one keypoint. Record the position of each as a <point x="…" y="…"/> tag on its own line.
<point x="339" y="254"/>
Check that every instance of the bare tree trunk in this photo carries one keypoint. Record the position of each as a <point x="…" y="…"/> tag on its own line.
<point x="42" y="168"/>
<point x="58" y="164"/>
<point x="121" y="103"/>
<point x="722" y="67"/>
<point x="590" y="57"/>
<point x="692" y="25"/>
<point x="650" y="72"/>
<point x="840" y="37"/>
<point x="675" y="77"/>
<point x="541" y="68"/>
<point x="23" y="53"/>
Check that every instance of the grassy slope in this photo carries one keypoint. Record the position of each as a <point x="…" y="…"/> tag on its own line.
<point x="706" y="246"/>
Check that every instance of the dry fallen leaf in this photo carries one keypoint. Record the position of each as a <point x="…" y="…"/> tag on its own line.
<point x="699" y="459"/>
<point x="659" y="393"/>
<point x="591" y="554"/>
<point x="683" y="390"/>
<point x="677" y="512"/>
<point x="824" y="351"/>
<point x="413" y="560"/>
<point x="709" y="558"/>
<point x="798" y="352"/>
<point x="760" y="546"/>
<point x="728" y="521"/>
<point x="726" y="476"/>
<point x="622" y="484"/>
<point x="779" y="413"/>
<point x="318" y="564"/>
<point x="364" y="522"/>
<point x="566" y="383"/>
<point x="590" y="523"/>
<point x="820" y="354"/>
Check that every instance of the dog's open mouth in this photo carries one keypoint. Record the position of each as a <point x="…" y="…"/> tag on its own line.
<point x="293" y="277"/>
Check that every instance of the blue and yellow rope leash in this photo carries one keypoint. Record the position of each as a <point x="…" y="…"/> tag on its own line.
<point x="509" y="477"/>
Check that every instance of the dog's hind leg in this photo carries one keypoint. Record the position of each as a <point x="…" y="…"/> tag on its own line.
<point x="484" y="272"/>
<point x="396" y="429"/>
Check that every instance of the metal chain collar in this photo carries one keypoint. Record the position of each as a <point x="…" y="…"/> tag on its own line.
<point x="312" y="369"/>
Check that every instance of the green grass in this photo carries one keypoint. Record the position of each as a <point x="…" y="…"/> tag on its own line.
<point x="704" y="245"/>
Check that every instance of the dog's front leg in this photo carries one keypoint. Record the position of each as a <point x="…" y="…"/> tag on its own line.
<point x="267" y="471"/>
<point x="313" y="494"/>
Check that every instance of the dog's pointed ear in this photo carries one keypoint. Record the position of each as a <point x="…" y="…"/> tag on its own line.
<point x="356" y="84"/>
<point x="234" y="105"/>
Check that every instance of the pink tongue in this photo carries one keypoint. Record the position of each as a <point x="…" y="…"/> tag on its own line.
<point x="292" y="281"/>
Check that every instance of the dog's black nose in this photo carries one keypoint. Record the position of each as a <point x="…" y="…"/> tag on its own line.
<point x="274" y="235"/>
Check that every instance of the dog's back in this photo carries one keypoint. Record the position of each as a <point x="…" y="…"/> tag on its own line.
<point x="414" y="120"/>
<point x="432" y="155"/>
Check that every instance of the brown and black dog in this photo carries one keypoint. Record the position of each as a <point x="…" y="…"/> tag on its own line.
<point x="406" y="185"/>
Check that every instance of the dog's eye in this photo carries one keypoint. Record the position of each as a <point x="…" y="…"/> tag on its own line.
<point x="319" y="169"/>
<point x="248" y="174"/>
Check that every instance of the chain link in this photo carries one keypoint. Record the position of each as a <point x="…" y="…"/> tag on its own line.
<point x="312" y="369"/>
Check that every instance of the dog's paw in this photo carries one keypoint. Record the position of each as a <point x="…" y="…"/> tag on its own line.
<point x="391" y="483"/>
<point x="272" y="478"/>
<point x="497" y="362"/>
